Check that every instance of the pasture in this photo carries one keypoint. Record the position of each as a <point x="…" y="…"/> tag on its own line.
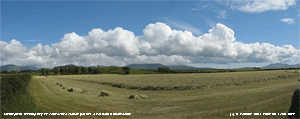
<point x="203" y="95"/>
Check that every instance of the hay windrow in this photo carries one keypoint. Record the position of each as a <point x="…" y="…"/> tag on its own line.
<point x="134" y="97"/>
<point x="71" y="89"/>
<point x="79" y="90"/>
<point x="143" y="96"/>
<point x="186" y="81"/>
<point x="140" y="96"/>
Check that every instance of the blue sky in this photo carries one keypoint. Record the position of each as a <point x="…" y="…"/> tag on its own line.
<point x="25" y="24"/>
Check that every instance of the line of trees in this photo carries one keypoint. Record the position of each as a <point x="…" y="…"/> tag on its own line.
<point x="67" y="70"/>
<point x="126" y="70"/>
<point x="163" y="70"/>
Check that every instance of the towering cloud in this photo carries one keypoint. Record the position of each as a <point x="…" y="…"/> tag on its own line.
<point x="158" y="44"/>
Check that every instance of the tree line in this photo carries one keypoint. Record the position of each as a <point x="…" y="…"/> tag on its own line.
<point x="67" y="70"/>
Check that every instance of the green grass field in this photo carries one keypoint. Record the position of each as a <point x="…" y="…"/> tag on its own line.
<point x="259" y="96"/>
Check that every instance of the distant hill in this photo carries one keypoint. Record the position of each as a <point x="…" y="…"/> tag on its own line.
<point x="99" y="66"/>
<point x="273" y="66"/>
<point x="185" y="67"/>
<point x="145" y="66"/>
<point x="11" y="67"/>
<point x="30" y="67"/>
<point x="245" y="68"/>
<point x="279" y="65"/>
<point x="69" y="65"/>
<point x="171" y="67"/>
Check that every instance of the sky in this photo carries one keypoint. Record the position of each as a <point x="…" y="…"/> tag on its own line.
<point x="214" y="33"/>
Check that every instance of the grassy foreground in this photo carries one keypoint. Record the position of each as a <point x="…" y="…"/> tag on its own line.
<point x="270" y="96"/>
<point x="16" y="97"/>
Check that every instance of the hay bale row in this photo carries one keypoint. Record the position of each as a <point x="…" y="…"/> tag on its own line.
<point x="59" y="83"/>
<point x="122" y="85"/>
<point x="287" y="76"/>
<point x="71" y="89"/>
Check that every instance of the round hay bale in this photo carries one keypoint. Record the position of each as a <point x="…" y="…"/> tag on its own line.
<point x="57" y="83"/>
<point x="134" y="97"/>
<point x="60" y="85"/>
<point x="106" y="93"/>
<point x="143" y="96"/>
<point x="70" y="90"/>
<point x="63" y="88"/>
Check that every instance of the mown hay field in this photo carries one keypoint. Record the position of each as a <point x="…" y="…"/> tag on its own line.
<point x="258" y="97"/>
<point x="182" y="81"/>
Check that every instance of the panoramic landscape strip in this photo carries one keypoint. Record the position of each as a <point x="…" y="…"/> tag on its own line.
<point x="150" y="59"/>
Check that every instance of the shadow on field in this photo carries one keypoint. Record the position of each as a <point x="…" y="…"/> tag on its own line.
<point x="294" y="108"/>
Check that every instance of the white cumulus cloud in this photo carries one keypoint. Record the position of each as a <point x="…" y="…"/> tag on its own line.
<point x="158" y="44"/>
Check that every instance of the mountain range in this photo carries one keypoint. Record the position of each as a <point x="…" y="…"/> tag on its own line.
<point x="278" y="65"/>
<point x="11" y="67"/>
<point x="171" y="67"/>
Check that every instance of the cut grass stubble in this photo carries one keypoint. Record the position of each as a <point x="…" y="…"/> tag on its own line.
<point x="265" y="96"/>
<point x="184" y="81"/>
